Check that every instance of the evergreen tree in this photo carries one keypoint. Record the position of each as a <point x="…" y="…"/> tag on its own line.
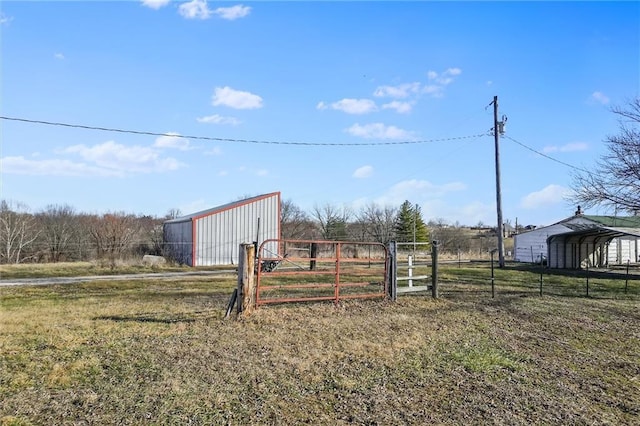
<point x="410" y="225"/>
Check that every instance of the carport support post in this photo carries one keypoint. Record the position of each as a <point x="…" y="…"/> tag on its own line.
<point x="246" y="281"/>
<point x="434" y="269"/>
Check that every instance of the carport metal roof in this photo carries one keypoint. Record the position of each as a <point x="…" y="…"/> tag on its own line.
<point x="593" y="235"/>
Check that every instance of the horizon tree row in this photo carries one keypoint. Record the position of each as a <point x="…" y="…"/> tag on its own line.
<point x="60" y="233"/>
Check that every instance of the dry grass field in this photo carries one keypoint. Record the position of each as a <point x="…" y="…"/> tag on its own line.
<point x="160" y="352"/>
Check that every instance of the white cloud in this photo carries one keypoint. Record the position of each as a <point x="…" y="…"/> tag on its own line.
<point x="58" y="56"/>
<point x="355" y="106"/>
<point x="475" y="212"/>
<point x="172" y="140"/>
<point x="363" y="172"/>
<point x="216" y="150"/>
<point x="124" y="159"/>
<point x="54" y="167"/>
<point x="321" y="106"/>
<point x="398" y="92"/>
<point x="415" y="189"/>
<point x="548" y="196"/>
<point x="438" y="81"/>
<point x="233" y="12"/>
<point x="427" y="188"/>
<point x="378" y="131"/>
<point x="434" y="90"/>
<point x="435" y="87"/>
<point x="444" y="78"/>
<point x="218" y="119"/>
<point x="108" y="159"/>
<point x="262" y="172"/>
<point x="155" y="4"/>
<point x="600" y="98"/>
<point x="195" y="9"/>
<point x="4" y="19"/>
<point x="570" y="147"/>
<point x="223" y="173"/>
<point x="236" y="98"/>
<point x="400" y="107"/>
<point x="195" y="206"/>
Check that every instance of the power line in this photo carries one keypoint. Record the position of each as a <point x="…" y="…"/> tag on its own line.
<point x="251" y="141"/>
<point x="546" y="156"/>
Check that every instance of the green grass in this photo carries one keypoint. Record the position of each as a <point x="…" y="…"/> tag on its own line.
<point x="160" y="352"/>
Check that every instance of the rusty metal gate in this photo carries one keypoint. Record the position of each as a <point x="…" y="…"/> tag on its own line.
<point x="308" y="270"/>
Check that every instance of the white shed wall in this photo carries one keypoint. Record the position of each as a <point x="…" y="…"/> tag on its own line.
<point x="219" y="234"/>
<point x="528" y="246"/>
<point x="627" y="249"/>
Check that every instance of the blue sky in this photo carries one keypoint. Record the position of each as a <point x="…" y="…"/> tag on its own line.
<point x="375" y="73"/>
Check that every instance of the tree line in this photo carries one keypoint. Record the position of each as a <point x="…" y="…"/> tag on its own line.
<point x="59" y="233"/>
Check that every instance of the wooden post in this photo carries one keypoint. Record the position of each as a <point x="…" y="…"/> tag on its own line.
<point x="500" y="227"/>
<point x="246" y="279"/>
<point x="434" y="269"/>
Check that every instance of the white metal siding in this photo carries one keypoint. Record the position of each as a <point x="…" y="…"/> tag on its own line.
<point x="628" y="250"/>
<point x="612" y="254"/>
<point x="529" y="245"/>
<point x="218" y="235"/>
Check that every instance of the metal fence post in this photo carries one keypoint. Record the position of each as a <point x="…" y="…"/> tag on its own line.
<point x="626" y="281"/>
<point x="410" y="260"/>
<point x="392" y="271"/>
<point x="541" y="272"/>
<point x="587" y="278"/>
<point x="493" y="280"/>
<point x="434" y="269"/>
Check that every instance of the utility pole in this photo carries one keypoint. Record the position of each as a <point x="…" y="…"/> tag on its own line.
<point x="498" y="128"/>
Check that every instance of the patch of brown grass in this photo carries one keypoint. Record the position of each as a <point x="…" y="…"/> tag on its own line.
<point x="160" y="352"/>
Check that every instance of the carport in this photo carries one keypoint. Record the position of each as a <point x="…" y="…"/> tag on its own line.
<point x="589" y="247"/>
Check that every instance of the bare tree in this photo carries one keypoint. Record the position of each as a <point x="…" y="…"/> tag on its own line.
<point x="112" y="234"/>
<point x="294" y="222"/>
<point x="59" y="226"/>
<point x="615" y="180"/>
<point x="151" y="235"/>
<point x="18" y="231"/>
<point x="378" y="223"/>
<point x="332" y="221"/>
<point x="173" y="213"/>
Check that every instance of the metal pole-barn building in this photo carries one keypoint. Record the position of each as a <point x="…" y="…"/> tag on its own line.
<point x="212" y="237"/>
<point x="581" y="239"/>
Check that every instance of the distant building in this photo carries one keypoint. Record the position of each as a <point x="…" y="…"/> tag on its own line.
<point x="213" y="236"/>
<point x="581" y="240"/>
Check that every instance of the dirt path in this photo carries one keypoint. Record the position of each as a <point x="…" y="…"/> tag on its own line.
<point x="75" y="280"/>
